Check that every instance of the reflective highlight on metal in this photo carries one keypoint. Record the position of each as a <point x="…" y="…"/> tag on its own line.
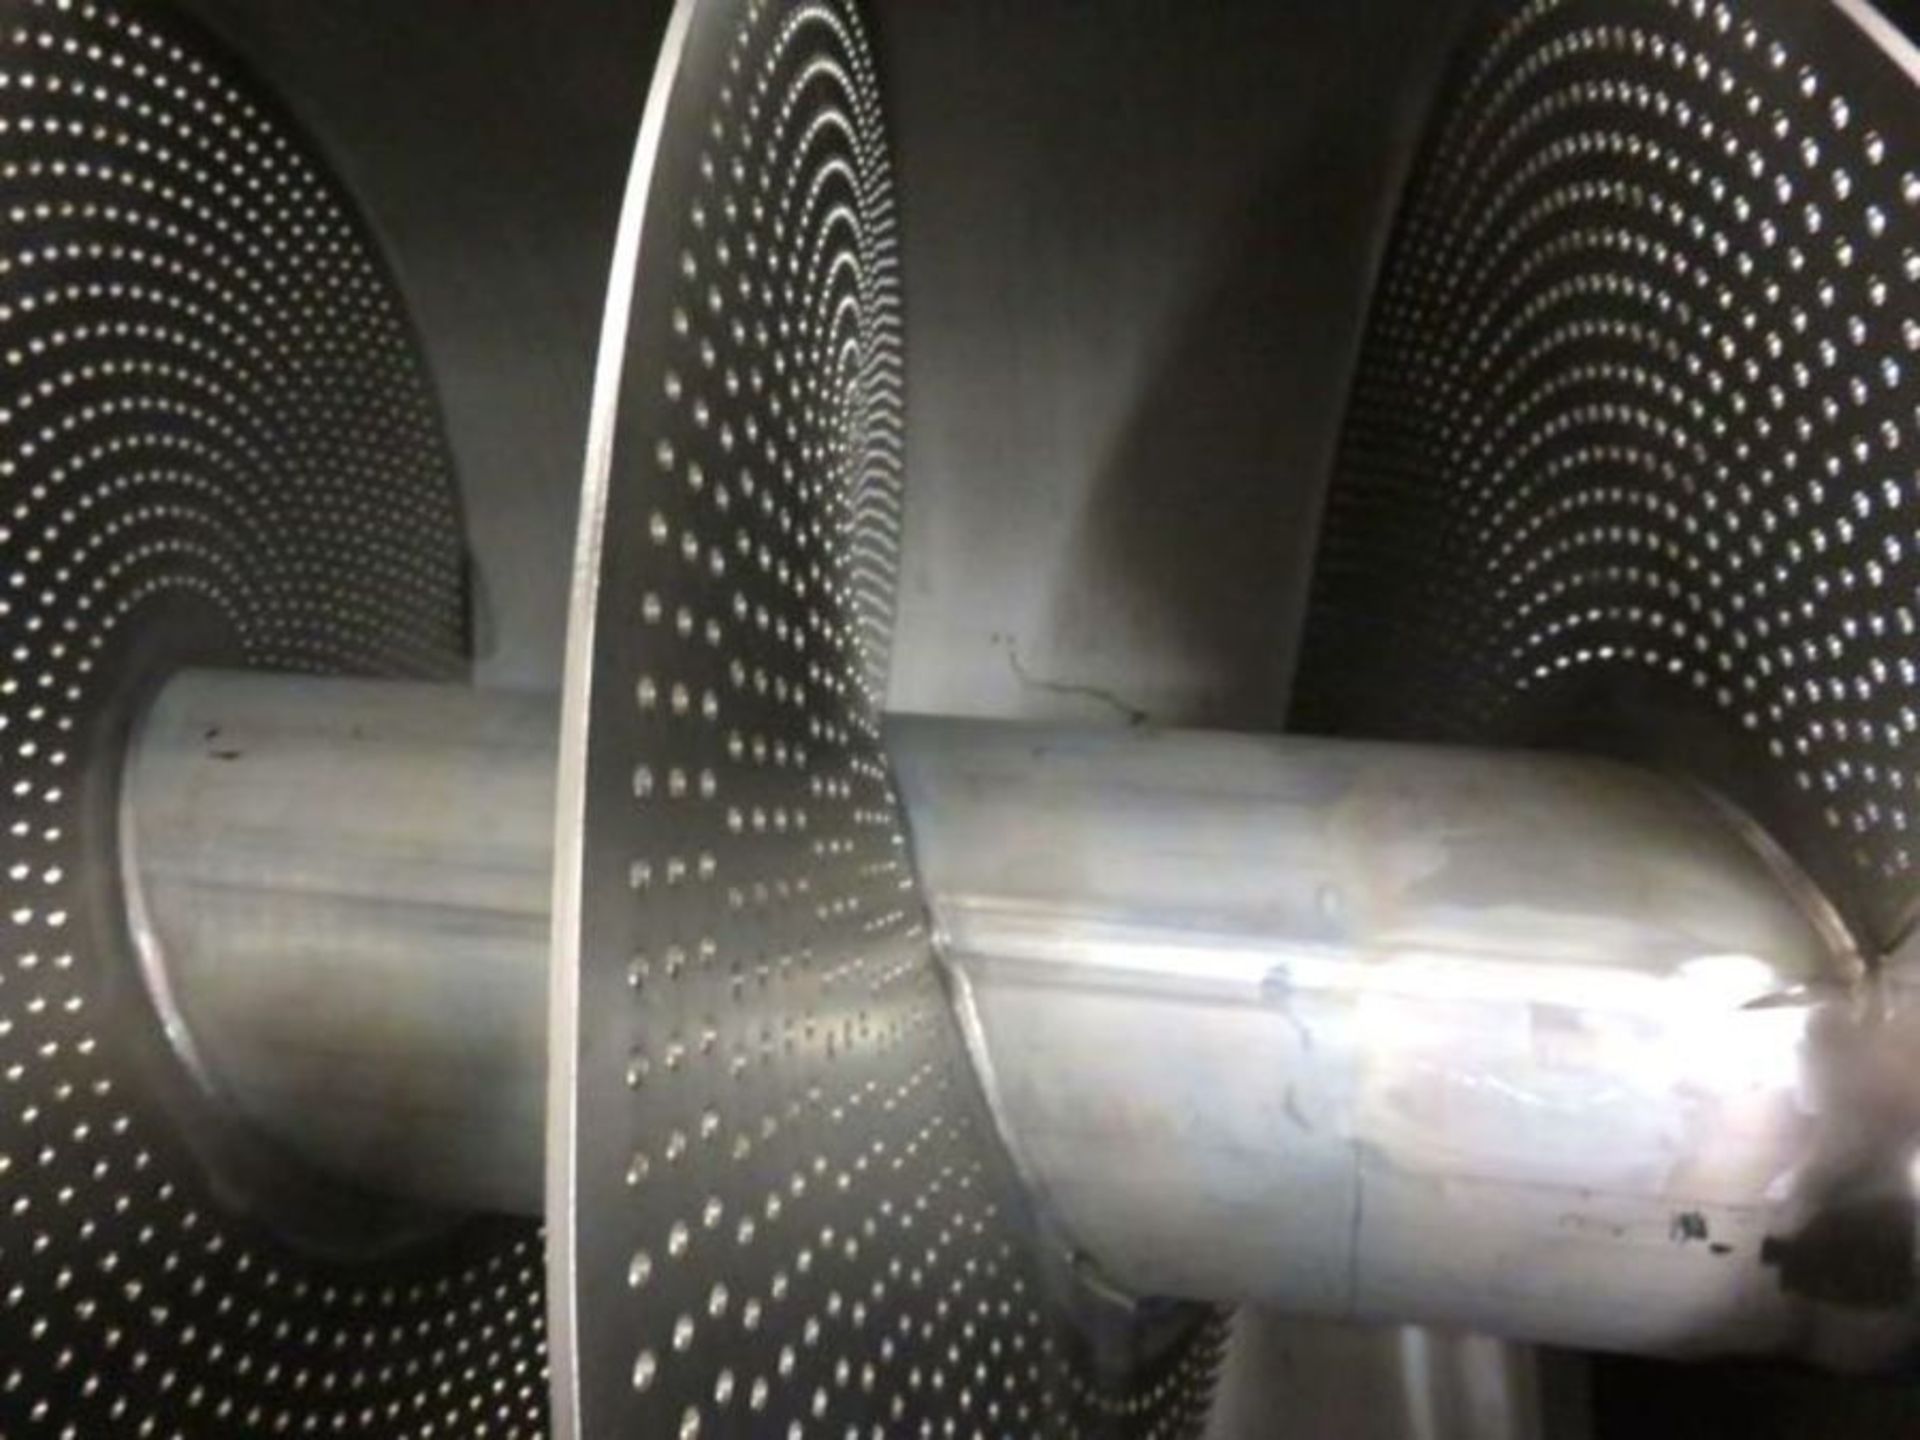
<point x="778" y="1204"/>
<point x="1510" y="1043"/>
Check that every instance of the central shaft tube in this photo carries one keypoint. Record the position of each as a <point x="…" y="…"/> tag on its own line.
<point x="340" y="892"/>
<point x="1515" y="1043"/>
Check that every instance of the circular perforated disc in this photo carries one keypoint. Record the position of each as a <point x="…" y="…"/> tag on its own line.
<point x="1632" y="455"/>
<point x="217" y="445"/>
<point x="778" y="1206"/>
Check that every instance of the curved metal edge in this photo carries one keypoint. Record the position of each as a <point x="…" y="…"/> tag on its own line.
<point x="576" y="705"/>
<point x="1846" y="951"/>
<point x="1080" y="1275"/>
<point x="149" y="954"/>
<point x="1891" y="39"/>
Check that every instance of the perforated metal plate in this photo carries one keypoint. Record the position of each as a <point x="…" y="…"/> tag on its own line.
<point x="786" y="1212"/>
<point x="217" y="444"/>
<point x="1631" y="461"/>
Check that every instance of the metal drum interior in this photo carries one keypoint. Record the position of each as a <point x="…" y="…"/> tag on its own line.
<point x="1527" y="374"/>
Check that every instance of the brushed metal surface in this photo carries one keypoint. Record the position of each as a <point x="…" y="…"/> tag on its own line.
<point x="1536" y="1045"/>
<point x="342" y="894"/>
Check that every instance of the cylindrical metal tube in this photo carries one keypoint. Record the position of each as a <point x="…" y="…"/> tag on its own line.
<point x="340" y="892"/>
<point x="1512" y="1043"/>
<point x="1509" y="1043"/>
